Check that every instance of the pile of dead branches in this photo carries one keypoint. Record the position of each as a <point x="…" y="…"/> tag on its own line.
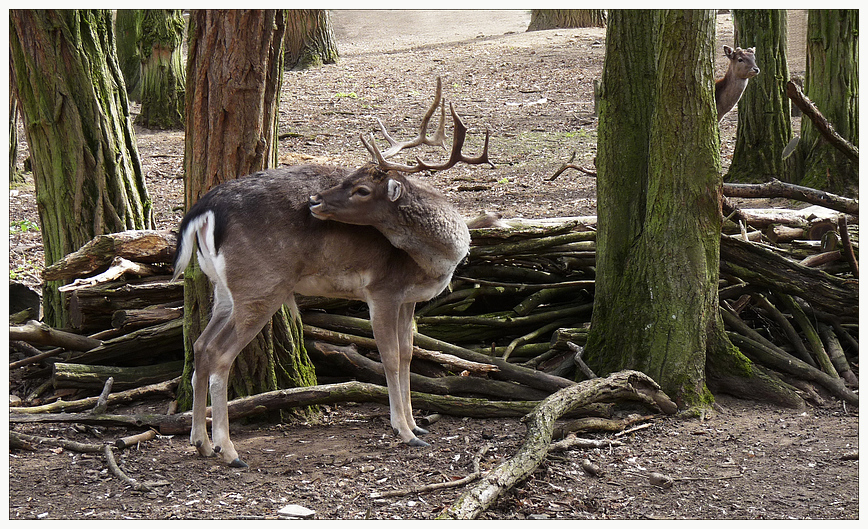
<point x="513" y="323"/>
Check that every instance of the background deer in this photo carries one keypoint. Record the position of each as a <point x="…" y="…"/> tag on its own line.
<point x="728" y="90"/>
<point x="372" y="234"/>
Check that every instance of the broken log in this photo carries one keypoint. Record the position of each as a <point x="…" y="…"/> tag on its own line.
<point x="131" y="319"/>
<point x="143" y="246"/>
<point x="777" y="189"/>
<point x="92" y="307"/>
<point x="759" y="266"/>
<point x="80" y="376"/>
<point x="34" y="332"/>
<point x="119" y="268"/>
<point x="139" y="345"/>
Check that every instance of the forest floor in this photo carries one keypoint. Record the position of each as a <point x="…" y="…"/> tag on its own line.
<point x="534" y="92"/>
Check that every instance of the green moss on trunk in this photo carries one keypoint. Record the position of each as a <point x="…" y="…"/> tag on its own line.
<point x="86" y="165"/>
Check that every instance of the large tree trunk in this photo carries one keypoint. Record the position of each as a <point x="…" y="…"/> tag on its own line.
<point x="659" y="219"/>
<point x="163" y="75"/>
<point x="234" y="75"/>
<point x="832" y="83"/>
<point x="310" y="39"/>
<point x="85" y="160"/>
<point x="764" y="121"/>
<point x="566" y="18"/>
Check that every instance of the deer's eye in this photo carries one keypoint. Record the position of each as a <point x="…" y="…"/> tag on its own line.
<point x="361" y="191"/>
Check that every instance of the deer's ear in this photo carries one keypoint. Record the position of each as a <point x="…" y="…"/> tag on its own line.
<point x="395" y="189"/>
<point x="727" y="51"/>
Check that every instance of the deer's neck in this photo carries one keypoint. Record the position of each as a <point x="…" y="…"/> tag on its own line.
<point x="728" y="91"/>
<point x="432" y="232"/>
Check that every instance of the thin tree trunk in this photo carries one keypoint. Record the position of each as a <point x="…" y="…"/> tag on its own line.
<point x="86" y="165"/>
<point x="163" y="75"/>
<point x="234" y="75"/>
<point x="128" y="32"/>
<point x="310" y="39"/>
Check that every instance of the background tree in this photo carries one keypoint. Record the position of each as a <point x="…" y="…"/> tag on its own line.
<point x="86" y="167"/>
<point x="764" y="119"/>
<point x="163" y="75"/>
<point x="310" y="39"/>
<point x="832" y="83"/>
<point x="128" y="33"/>
<point x="14" y="174"/>
<point x="234" y="74"/>
<point x="566" y="18"/>
<point x="658" y="207"/>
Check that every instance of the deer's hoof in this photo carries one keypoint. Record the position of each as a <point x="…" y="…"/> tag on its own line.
<point x="420" y="431"/>
<point x="417" y="442"/>
<point x="238" y="463"/>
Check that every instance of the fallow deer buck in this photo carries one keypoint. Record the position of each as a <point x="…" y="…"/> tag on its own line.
<point x="372" y="234"/>
<point x="728" y="90"/>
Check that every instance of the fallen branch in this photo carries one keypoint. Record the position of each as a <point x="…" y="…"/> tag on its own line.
<point x="823" y="126"/>
<point x="163" y="388"/>
<point x="292" y="398"/>
<point x="775" y="188"/>
<point x="631" y="385"/>
<point x="34" y="332"/>
<point x="17" y="439"/>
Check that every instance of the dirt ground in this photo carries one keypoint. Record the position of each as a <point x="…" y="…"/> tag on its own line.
<point x="533" y="91"/>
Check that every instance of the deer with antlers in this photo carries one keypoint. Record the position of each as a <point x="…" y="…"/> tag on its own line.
<point x="374" y="234"/>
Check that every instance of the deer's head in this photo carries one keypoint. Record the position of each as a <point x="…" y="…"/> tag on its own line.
<point x="742" y="62"/>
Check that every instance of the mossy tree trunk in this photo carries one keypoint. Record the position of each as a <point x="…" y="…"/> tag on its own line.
<point x="658" y="200"/>
<point x="86" y="165"/>
<point x="541" y="19"/>
<point x="764" y="119"/>
<point x="128" y="32"/>
<point x="234" y="74"/>
<point x="163" y="75"/>
<point x="832" y="83"/>
<point x="310" y="39"/>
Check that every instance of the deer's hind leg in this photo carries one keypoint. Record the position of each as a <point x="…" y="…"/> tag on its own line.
<point x="202" y="369"/>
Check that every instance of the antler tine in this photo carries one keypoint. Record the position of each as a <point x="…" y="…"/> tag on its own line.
<point x="439" y="138"/>
<point x="458" y="136"/>
<point x="381" y="161"/>
<point x="455" y="156"/>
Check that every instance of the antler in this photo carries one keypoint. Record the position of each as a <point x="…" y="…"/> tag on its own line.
<point x="459" y="135"/>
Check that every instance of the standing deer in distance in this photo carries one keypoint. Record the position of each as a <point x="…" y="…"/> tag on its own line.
<point x="728" y="90"/>
<point x="373" y="234"/>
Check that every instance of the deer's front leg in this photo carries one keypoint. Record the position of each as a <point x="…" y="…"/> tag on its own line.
<point x="405" y="345"/>
<point x="385" y="319"/>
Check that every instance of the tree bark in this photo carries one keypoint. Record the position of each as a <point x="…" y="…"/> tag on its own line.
<point x="163" y="75"/>
<point x="235" y="67"/>
<point x="85" y="161"/>
<point x="654" y="314"/>
<point x="764" y="121"/>
<point x="541" y="19"/>
<point x="832" y="83"/>
<point x="310" y="39"/>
